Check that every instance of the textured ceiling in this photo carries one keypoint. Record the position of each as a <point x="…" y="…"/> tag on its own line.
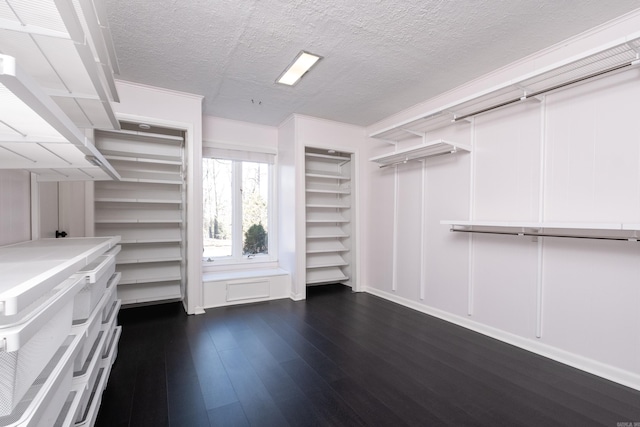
<point x="379" y="56"/>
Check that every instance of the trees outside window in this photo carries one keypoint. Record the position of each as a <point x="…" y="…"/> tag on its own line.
<point x="236" y="209"/>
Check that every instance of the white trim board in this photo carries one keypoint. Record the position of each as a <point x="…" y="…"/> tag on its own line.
<point x="620" y="376"/>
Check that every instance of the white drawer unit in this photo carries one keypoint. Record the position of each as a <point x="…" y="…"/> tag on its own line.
<point x="96" y="276"/>
<point x="83" y="402"/>
<point x="112" y="293"/>
<point x="31" y="269"/>
<point x="45" y="399"/>
<point x="44" y="342"/>
<point x="111" y="350"/>
<point x="29" y="346"/>
<point x="87" y="377"/>
<point x="91" y="327"/>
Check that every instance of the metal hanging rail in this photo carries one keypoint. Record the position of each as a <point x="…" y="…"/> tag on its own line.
<point x="550" y="89"/>
<point x="530" y="234"/>
<point x="615" y="56"/>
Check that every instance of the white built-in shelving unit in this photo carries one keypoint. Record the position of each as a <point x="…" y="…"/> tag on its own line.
<point x="146" y="208"/>
<point x="56" y="79"/>
<point x="329" y="217"/>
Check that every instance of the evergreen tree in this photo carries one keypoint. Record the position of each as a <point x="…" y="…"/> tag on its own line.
<point x="255" y="240"/>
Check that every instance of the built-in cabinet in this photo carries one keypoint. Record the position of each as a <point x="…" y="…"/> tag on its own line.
<point x="329" y="217"/>
<point x="146" y="208"/>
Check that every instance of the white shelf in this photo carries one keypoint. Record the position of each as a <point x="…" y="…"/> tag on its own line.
<point x="542" y="225"/>
<point x="36" y="135"/>
<point x="339" y="159"/>
<point x="133" y="195"/>
<point x="145" y="241"/>
<point x="149" y="260"/>
<point x="148" y="292"/>
<point x="152" y="178"/>
<point x="324" y="260"/>
<point x="138" y="221"/>
<point x="318" y="246"/>
<point x="158" y="160"/>
<point x="326" y="175"/>
<point x="149" y="273"/>
<point x="327" y="188"/>
<point x="334" y="205"/>
<point x="139" y="146"/>
<point x="65" y="50"/>
<point x="331" y="217"/>
<point x="141" y="233"/>
<point x="555" y="75"/>
<point x="417" y="152"/>
<point x="325" y="275"/>
<point x="146" y="253"/>
<point x="325" y="231"/>
<point x="594" y="230"/>
<point x="124" y="200"/>
<point x="110" y="213"/>
<point x="174" y="278"/>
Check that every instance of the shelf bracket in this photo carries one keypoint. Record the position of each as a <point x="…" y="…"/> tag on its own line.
<point x="525" y="94"/>
<point x="416" y="133"/>
<point x="455" y="118"/>
<point x="388" y="141"/>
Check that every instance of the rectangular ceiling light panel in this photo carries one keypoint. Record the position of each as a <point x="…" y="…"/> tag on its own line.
<point x="298" y="68"/>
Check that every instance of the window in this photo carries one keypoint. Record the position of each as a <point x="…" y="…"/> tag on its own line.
<point x="236" y="208"/>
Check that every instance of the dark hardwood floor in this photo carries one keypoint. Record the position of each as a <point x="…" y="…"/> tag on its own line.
<point x="343" y="359"/>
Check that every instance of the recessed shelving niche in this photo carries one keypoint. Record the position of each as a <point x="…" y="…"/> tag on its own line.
<point x="329" y="217"/>
<point x="146" y="208"/>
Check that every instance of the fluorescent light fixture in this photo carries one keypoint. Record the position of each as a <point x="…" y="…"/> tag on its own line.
<point x="300" y="65"/>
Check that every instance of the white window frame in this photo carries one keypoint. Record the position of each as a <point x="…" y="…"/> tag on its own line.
<point x="237" y="259"/>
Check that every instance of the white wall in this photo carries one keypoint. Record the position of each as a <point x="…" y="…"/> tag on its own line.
<point x="140" y="103"/>
<point x="573" y="157"/>
<point x="15" y="206"/>
<point x="296" y="133"/>
<point x="287" y="200"/>
<point x="327" y="134"/>
<point x="216" y="130"/>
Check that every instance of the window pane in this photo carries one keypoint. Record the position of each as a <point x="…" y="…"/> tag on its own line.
<point x="217" y="227"/>
<point x="255" y="199"/>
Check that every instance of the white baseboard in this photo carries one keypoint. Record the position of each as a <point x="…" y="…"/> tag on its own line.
<point x="626" y="378"/>
<point x="296" y="297"/>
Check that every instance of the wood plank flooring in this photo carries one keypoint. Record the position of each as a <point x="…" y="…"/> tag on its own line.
<point x="340" y="359"/>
